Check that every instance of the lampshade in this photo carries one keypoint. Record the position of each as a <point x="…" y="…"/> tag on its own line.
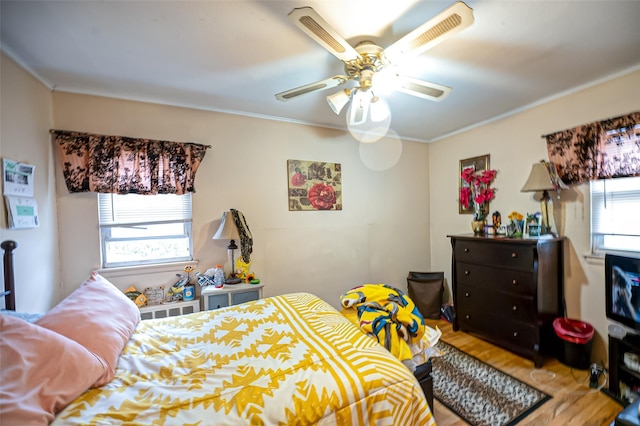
<point x="338" y="100"/>
<point x="540" y="179"/>
<point x="227" y="229"/>
<point x="544" y="177"/>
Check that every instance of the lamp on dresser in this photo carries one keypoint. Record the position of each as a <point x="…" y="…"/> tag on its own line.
<point x="544" y="177"/>
<point x="228" y="231"/>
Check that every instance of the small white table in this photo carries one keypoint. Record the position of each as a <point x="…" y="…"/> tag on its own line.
<point x="229" y="295"/>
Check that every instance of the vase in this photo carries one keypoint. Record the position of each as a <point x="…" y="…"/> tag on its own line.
<point x="478" y="227"/>
<point x="515" y="229"/>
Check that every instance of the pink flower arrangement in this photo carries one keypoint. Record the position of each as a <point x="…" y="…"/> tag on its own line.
<point x="477" y="193"/>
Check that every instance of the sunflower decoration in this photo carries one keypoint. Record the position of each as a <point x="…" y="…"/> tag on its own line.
<point x="136" y="297"/>
<point x="242" y="268"/>
<point x="250" y="277"/>
<point x="188" y="269"/>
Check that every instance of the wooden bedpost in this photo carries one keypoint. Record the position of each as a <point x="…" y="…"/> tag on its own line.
<point x="9" y="287"/>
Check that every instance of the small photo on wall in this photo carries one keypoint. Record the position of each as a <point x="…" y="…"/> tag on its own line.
<point x="314" y="185"/>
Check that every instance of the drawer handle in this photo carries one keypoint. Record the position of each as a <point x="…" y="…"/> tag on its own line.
<point x="515" y="308"/>
<point x="514" y="282"/>
<point x="467" y="294"/>
<point x="515" y="334"/>
<point x="514" y="255"/>
<point x="467" y="272"/>
<point x="466" y="250"/>
<point x="467" y="316"/>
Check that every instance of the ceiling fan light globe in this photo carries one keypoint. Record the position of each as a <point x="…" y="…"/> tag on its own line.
<point x="338" y="100"/>
<point x="379" y="110"/>
<point x="372" y="124"/>
<point x="358" y="112"/>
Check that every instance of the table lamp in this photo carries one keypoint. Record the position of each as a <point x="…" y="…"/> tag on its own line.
<point x="228" y="231"/>
<point x="544" y="177"/>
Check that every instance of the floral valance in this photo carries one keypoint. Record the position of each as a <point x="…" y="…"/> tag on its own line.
<point x="599" y="150"/>
<point x="124" y="165"/>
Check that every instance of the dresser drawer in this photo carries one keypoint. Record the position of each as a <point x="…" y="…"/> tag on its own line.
<point x="496" y="279"/>
<point x="511" y="334"/>
<point x="504" y="255"/>
<point x="475" y="301"/>
<point x="217" y="301"/>
<point x="245" y="296"/>
<point x="230" y="294"/>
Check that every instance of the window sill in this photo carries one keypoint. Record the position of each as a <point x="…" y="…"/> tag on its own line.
<point x="598" y="258"/>
<point x="146" y="269"/>
<point x="594" y="259"/>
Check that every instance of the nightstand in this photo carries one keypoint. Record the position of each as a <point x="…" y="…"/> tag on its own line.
<point x="230" y="294"/>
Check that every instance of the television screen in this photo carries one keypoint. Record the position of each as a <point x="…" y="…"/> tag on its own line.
<point x="622" y="279"/>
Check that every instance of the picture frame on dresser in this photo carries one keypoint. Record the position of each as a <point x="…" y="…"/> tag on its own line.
<point x="478" y="164"/>
<point x="533" y="230"/>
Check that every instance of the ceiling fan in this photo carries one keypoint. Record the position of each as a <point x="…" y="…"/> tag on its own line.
<point x="366" y="61"/>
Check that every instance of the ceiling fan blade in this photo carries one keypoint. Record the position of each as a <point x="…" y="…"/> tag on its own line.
<point x="423" y="89"/>
<point x="448" y="22"/>
<point x="328" y="83"/>
<point x="318" y="29"/>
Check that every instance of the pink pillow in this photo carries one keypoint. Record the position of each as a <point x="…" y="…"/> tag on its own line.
<point x="42" y="372"/>
<point x="99" y="317"/>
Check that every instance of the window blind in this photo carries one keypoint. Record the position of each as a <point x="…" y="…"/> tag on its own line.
<point x="615" y="206"/>
<point x="132" y="209"/>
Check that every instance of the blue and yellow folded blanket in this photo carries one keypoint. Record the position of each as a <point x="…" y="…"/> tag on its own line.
<point x="387" y="314"/>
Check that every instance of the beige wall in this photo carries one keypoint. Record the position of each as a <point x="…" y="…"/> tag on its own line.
<point x="381" y="233"/>
<point x="26" y="116"/>
<point x="514" y="144"/>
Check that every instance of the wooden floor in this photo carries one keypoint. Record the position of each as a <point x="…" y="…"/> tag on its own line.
<point x="573" y="402"/>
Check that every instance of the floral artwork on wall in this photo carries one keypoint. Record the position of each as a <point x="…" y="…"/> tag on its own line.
<point x="314" y="185"/>
<point x="469" y="168"/>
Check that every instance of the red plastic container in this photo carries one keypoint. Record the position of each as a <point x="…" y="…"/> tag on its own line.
<point x="576" y="341"/>
<point x="573" y="331"/>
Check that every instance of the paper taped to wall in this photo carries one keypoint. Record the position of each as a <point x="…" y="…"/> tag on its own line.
<point x="22" y="212"/>
<point x="22" y="208"/>
<point x="18" y="178"/>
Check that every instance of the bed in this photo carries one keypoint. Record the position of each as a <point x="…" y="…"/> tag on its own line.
<point x="290" y="359"/>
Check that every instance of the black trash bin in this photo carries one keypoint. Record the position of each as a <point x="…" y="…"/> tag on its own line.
<point x="576" y="340"/>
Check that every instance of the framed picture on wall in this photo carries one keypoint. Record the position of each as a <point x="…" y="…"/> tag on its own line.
<point x="314" y="185"/>
<point x="477" y="164"/>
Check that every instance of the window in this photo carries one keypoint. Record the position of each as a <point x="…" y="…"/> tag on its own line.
<point x="615" y="215"/>
<point x="144" y="229"/>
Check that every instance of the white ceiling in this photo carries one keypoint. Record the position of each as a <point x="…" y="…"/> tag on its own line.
<point x="235" y="55"/>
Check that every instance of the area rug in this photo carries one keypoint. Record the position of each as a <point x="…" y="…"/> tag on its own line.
<point x="479" y="393"/>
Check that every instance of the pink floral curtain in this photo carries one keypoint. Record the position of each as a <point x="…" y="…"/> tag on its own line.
<point x="123" y="165"/>
<point x="604" y="149"/>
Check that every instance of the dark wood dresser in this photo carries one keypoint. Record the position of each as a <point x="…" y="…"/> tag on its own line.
<point x="508" y="291"/>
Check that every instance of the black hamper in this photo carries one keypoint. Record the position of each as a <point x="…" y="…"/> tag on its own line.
<point x="426" y="290"/>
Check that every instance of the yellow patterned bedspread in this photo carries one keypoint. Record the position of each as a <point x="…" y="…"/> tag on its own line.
<point x="285" y="360"/>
